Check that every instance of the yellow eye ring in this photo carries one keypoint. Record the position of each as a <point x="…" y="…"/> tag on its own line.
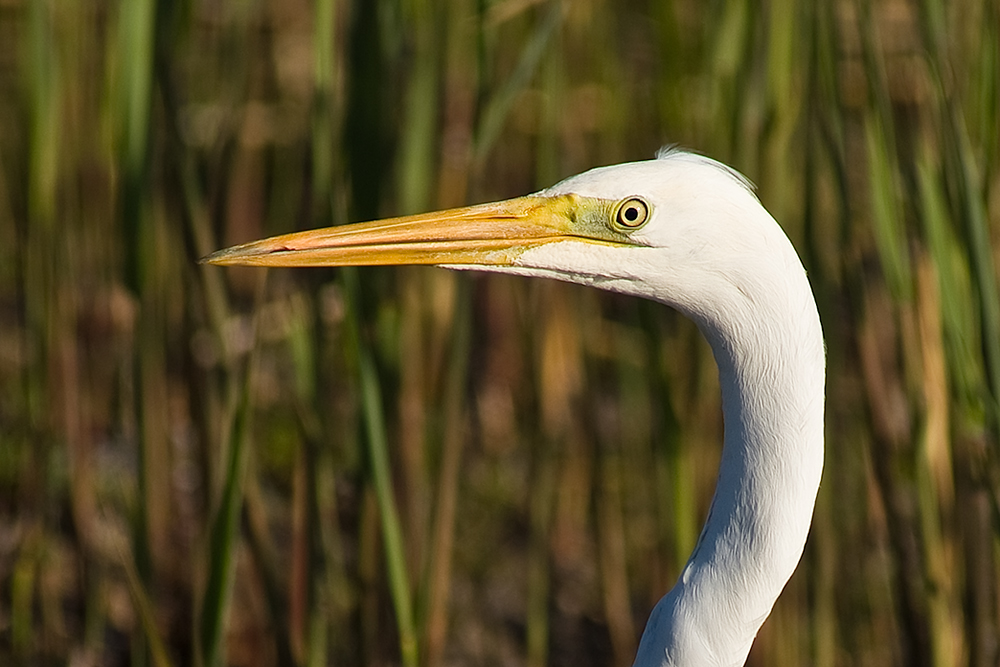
<point x="632" y="213"/>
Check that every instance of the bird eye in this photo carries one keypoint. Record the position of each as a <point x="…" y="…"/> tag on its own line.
<point x="632" y="213"/>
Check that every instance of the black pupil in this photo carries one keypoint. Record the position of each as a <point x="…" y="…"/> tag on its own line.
<point x="631" y="213"/>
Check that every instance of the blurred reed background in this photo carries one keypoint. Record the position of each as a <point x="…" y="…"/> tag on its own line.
<point x="406" y="466"/>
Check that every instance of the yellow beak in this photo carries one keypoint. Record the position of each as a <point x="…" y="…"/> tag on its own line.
<point x="492" y="234"/>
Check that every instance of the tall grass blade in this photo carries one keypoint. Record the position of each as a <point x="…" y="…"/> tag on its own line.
<point x="136" y="35"/>
<point x="420" y="120"/>
<point x="957" y="311"/>
<point x="146" y="611"/>
<point x="453" y="443"/>
<point x="378" y="453"/>
<point x="984" y="272"/>
<point x="886" y="214"/>
<point x="500" y="103"/>
<point x="223" y="538"/>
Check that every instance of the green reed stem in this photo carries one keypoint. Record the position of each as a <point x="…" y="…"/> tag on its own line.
<point x="972" y="206"/>
<point x="223" y="535"/>
<point x="378" y="451"/>
<point x="454" y="438"/>
<point x="146" y="611"/>
<point x="500" y="104"/>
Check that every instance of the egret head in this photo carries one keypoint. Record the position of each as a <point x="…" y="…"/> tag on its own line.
<point x="681" y="229"/>
<point x="698" y="237"/>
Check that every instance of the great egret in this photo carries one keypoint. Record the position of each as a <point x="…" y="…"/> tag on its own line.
<point x="689" y="232"/>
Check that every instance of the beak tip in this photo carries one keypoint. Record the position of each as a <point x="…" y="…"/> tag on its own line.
<point x="218" y="257"/>
<point x="236" y="255"/>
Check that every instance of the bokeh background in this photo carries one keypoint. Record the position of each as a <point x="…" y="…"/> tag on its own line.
<point x="202" y="466"/>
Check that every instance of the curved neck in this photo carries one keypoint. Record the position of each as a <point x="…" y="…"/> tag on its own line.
<point x="771" y="370"/>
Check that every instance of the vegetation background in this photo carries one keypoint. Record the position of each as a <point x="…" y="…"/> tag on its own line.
<point x="407" y="466"/>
